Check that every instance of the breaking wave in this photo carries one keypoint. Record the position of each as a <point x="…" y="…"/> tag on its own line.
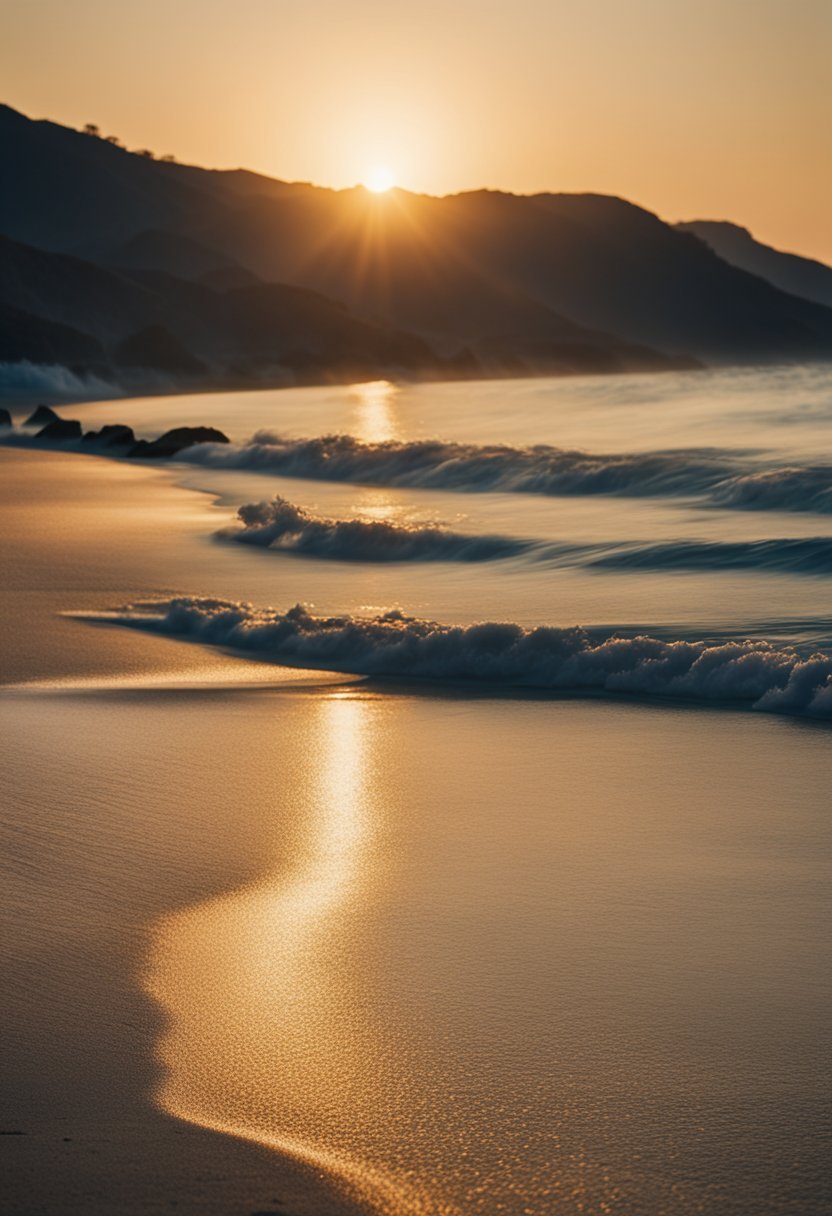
<point x="775" y="679"/>
<point x="432" y="464"/>
<point x="716" y="478"/>
<point x="279" y="524"/>
<point x="722" y="479"/>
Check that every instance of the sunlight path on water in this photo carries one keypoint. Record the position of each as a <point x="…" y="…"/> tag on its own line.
<point x="375" y="411"/>
<point x="256" y="1042"/>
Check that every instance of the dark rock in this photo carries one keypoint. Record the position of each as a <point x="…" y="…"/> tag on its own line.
<point x="113" y="436"/>
<point x="177" y="440"/>
<point x="140" y="449"/>
<point x="5" y="418"/>
<point x="59" y="431"/>
<point x="41" y="416"/>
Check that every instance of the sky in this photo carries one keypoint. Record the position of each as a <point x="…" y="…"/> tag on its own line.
<point x="714" y="109"/>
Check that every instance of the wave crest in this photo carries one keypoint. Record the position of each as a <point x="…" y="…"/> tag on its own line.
<point x="721" y="479"/>
<point x="278" y="523"/>
<point x="281" y="525"/>
<point x="786" y="489"/>
<point x="540" y="469"/>
<point x="770" y="678"/>
<point x="433" y="464"/>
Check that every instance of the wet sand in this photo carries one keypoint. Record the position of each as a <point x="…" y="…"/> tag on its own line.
<point x="80" y="1130"/>
<point x="465" y="954"/>
<point x="78" y="530"/>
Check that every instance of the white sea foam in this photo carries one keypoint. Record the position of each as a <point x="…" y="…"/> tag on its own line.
<point x="777" y="679"/>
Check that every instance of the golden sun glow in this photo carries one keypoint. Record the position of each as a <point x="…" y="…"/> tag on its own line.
<point x="380" y="179"/>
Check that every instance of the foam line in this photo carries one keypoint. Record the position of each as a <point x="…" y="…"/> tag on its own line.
<point x="777" y="679"/>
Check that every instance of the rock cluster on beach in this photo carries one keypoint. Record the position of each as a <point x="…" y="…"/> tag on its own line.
<point x="115" y="438"/>
<point x="42" y="415"/>
<point x="174" y="441"/>
<point x="60" y="430"/>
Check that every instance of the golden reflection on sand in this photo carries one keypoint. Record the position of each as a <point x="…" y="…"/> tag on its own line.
<point x="252" y="983"/>
<point x="375" y="412"/>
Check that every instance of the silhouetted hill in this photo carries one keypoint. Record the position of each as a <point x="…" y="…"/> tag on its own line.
<point x="157" y="348"/>
<point x="153" y="320"/>
<point x="228" y="276"/>
<point x="72" y="291"/>
<point x="80" y="194"/>
<point x="75" y="193"/>
<point x="154" y="249"/>
<point x="490" y="281"/>
<point x="618" y="266"/>
<point x="801" y="276"/>
<point x="480" y="266"/>
<point x="38" y="340"/>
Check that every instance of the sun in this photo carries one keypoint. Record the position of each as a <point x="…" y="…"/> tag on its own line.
<point x="380" y="179"/>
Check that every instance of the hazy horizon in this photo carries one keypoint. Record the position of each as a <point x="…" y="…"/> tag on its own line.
<point x="694" y="112"/>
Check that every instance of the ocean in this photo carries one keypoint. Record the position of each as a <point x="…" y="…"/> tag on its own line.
<point x="495" y="720"/>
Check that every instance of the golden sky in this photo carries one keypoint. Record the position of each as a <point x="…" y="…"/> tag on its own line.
<point x="718" y="109"/>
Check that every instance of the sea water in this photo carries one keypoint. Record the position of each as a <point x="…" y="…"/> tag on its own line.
<point x="500" y="950"/>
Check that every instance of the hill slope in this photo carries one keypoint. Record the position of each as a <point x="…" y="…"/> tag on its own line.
<point x="60" y="308"/>
<point x="801" y="276"/>
<point x="239" y="332"/>
<point x="518" y="280"/>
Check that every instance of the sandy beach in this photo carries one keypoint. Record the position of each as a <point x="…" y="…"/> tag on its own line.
<point x="257" y="966"/>
<point x="81" y="1132"/>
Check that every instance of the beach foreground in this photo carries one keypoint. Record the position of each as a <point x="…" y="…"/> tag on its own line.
<point x="86" y="878"/>
<point x="290" y="942"/>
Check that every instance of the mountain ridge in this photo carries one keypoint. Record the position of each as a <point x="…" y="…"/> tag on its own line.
<point x="125" y="323"/>
<point x="481" y="282"/>
<point x="791" y="272"/>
